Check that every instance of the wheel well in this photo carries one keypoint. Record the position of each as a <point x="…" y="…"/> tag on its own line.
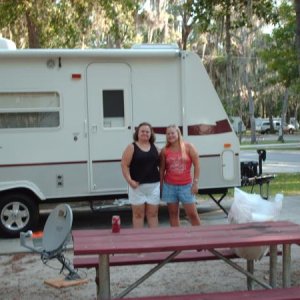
<point x="24" y="191"/>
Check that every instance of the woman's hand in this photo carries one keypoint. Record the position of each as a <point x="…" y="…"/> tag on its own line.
<point x="134" y="184"/>
<point x="194" y="188"/>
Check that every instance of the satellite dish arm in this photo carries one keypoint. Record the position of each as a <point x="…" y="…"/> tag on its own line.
<point x="23" y="238"/>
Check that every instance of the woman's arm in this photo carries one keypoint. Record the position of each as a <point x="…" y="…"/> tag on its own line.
<point x="158" y="149"/>
<point x="195" y="161"/>
<point x="162" y="166"/>
<point x="125" y="164"/>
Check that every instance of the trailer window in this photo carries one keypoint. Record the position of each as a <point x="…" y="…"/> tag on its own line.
<point x="113" y="108"/>
<point x="29" y="110"/>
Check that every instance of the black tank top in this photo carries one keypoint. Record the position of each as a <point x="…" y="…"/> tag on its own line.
<point x="144" y="165"/>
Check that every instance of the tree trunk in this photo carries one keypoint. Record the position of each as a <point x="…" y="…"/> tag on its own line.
<point x="186" y="30"/>
<point x="296" y="113"/>
<point x="283" y="115"/>
<point x="251" y="115"/>
<point x="229" y="60"/>
<point x="248" y="78"/>
<point x="33" y="34"/>
<point x="245" y="66"/>
<point x="297" y="9"/>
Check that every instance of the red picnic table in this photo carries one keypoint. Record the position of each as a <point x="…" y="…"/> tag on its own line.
<point x="176" y="239"/>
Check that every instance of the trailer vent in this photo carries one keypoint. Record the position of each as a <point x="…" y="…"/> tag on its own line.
<point x="155" y="46"/>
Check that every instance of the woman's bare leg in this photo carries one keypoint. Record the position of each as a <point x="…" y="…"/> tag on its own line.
<point x="173" y="209"/>
<point x="152" y="215"/>
<point x="138" y="215"/>
<point x="192" y="213"/>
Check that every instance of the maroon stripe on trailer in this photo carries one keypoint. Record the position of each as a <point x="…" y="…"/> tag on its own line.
<point x="222" y="126"/>
<point x="44" y="164"/>
<point x="105" y="161"/>
<point x="162" y="130"/>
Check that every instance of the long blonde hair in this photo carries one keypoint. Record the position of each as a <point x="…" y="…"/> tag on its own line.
<point x="180" y="140"/>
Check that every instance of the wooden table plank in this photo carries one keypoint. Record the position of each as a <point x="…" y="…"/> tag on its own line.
<point x="206" y="228"/>
<point x="188" y="238"/>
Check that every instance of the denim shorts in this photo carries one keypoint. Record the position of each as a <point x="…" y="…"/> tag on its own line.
<point x="178" y="193"/>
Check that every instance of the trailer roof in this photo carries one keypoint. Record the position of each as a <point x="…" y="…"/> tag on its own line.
<point x="106" y="53"/>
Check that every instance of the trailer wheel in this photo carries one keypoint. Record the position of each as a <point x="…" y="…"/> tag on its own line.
<point x="18" y="212"/>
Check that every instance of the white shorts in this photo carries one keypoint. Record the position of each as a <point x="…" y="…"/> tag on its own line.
<point x="145" y="193"/>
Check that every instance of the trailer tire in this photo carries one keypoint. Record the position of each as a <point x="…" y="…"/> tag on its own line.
<point x="18" y="212"/>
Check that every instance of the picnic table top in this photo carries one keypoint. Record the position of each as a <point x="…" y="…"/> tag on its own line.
<point x="99" y="241"/>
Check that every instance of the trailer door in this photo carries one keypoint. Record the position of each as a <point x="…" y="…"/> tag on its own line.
<point x="109" y="124"/>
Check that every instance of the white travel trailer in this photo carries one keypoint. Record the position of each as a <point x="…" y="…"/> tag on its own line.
<point x="67" y="115"/>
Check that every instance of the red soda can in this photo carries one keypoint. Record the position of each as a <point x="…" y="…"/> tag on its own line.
<point x="116" y="224"/>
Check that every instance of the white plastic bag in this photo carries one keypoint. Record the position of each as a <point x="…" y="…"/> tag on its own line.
<point x="253" y="208"/>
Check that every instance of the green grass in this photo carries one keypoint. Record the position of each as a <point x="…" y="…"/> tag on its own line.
<point x="286" y="183"/>
<point x="262" y="139"/>
<point x="272" y="145"/>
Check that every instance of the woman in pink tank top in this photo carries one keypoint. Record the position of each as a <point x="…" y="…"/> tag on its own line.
<point x="177" y="182"/>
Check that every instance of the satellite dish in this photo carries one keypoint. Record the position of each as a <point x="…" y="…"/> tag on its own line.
<point x="56" y="235"/>
<point x="57" y="228"/>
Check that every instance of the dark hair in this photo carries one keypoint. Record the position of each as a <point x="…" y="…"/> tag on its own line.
<point x="136" y="133"/>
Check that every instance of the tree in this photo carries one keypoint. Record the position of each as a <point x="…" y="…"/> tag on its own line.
<point x="297" y="10"/>
<point x="50" y="24"/>
<point x="233" y="15"/>
<point x="15" y="14"/>
<point x="281" y="55"/>
<point x="68" y="23"/>
<point x="119" y="18"/>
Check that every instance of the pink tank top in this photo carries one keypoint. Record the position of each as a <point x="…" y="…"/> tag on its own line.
<point x="178" y="168"/>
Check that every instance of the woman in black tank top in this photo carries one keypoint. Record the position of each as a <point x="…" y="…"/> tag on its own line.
<point x="139" y="164"/>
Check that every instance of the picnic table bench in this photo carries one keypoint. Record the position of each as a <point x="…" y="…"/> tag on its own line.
<point x="291" y="293"/>
<point x="80" y="261"/>
<point x="149" y="258"/>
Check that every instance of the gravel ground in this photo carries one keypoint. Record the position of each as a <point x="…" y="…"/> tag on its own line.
<point x="23" y="274"/>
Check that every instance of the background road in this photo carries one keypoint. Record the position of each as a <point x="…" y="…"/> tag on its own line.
<point x="277" y="161"/>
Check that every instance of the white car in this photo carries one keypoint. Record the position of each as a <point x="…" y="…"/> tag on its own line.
<point x="289" y="128"/>
<point x="264" y="127"/>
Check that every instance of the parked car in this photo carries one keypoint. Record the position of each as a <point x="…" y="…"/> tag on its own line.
<point x="295" y="123"/>
<point x="289" y="128"/>
<point x="276" y="125"/>
<point x="263" y="127"/>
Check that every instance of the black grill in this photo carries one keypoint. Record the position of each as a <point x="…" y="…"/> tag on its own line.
<point x="249" y="169"/>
